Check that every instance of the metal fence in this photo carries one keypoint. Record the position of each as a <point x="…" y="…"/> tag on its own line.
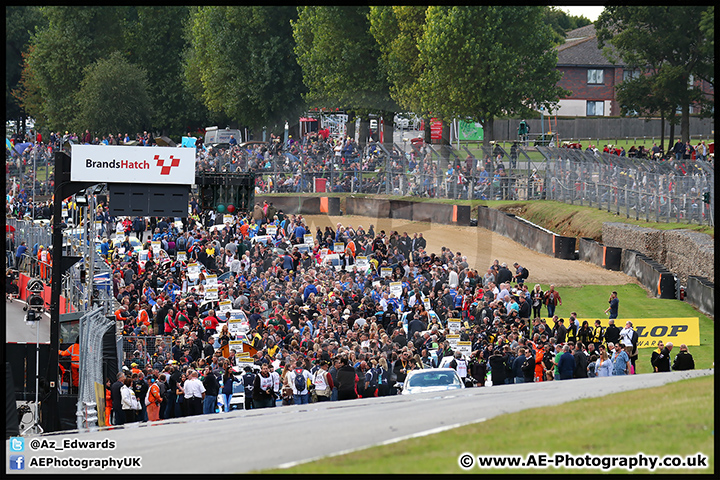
<point x="72" y="287"/>
<point x="659" y="191"/>
<point x="437" y="171"/>
<point x="150" y="349"/>
<point x="93" y="326"/>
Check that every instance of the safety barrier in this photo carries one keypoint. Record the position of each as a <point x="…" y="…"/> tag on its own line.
<point x="650" y="274"/>
<point x="591" y="251"/>
<point x="701" y="292"/>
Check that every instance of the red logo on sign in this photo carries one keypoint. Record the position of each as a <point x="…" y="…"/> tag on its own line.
<point x="165" y="169"/>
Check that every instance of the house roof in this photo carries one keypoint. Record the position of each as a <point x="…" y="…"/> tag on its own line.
<point x="581" y="49"/>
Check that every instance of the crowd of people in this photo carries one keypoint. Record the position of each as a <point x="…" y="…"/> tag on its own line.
<point x="319" y="333"/>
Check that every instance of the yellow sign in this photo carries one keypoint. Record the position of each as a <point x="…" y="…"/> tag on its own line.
<point x="652" y="330"/>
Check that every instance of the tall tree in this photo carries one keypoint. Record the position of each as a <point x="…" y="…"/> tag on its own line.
<point x="667" y="40"/>
<point x="113" y="97"/>
<point x="240" y="61"/>
<point x="74" y="38"/>
<point x="20" y="23"/>
<point x="397" y="31"/>
<point x="155" y="41"/>
<point x="340" y="61"/>
<point x="484" y="62"/>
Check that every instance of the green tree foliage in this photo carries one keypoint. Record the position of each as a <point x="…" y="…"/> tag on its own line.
<point x="74" y="38"/>
<point x="340" y="60"/>
<point x="155" y="41"/>
<point x="240" y="61"/>
<point x="20" y="23"/>
<point x="484" y="62"/>
<point x="113" y="97"/>
<point x="397" y="30"/>
<point x="663" y="41"/>
<point x="562" y="23"/>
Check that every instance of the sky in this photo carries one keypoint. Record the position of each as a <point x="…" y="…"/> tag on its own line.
<point x="589" y="12"/>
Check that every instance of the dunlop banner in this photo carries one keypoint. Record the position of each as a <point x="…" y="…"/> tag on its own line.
<point x="652" y="330"/>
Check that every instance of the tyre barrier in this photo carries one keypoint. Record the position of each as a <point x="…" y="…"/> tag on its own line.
<point x="650" y="274"/>
<point x="590" y="251"/>
<point x="701" y="292"/>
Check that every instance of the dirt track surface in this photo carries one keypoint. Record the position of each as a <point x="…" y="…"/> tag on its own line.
<point x="482" y="247"/>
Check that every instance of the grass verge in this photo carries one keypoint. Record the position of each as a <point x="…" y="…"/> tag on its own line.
<point x="680" y="421"/>
<point x="590" y="301"/>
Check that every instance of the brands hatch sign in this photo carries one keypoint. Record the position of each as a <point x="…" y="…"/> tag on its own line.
<point x="121" y="164"/>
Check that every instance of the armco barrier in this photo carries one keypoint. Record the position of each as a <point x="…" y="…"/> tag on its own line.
<point x="649" y="273"/>
<point x="432" y="212"/>
<point x="607" y="257"/>
<point x="701" y="292"/>
<point x="367" y="207"/>
<point x="303" y="205"/>
<point x="401" y="209"/>
<point x="526" y="233"/>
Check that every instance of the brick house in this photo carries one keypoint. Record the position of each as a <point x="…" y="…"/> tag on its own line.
<point x="588" y="75"/>
<point x="592" y="78"/>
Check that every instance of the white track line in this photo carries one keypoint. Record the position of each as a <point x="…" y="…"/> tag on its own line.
<point x="386" y="442"/>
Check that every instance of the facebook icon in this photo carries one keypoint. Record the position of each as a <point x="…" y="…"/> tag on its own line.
<point x="17" y="462"/>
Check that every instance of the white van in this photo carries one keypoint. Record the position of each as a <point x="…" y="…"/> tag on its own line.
<point x="215" y="135"/>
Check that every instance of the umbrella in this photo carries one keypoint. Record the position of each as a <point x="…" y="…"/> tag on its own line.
<point x="164" y="141"/>
<point x="21" y="147"/>
<point x="9" y="228"/>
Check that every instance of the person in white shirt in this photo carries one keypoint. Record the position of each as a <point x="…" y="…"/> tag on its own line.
<point x="194" y="393"/>
<point x="299" y="396"/>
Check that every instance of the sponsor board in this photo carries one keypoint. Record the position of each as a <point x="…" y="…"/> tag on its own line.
<point x="125" y="164"/>
<point x="652" y="330"/>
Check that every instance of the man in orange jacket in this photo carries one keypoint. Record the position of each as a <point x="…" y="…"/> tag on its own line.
<point x="74" y="353"/>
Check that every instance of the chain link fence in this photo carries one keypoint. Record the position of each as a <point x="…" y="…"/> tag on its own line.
<point x="93" y="326"/>
<point x="150" y="350"/>
<point x="658" y="191"/>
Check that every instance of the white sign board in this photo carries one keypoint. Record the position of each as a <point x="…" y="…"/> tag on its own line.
<point x="225" y="306"/>
<point x="339" y="247"/>
<point x="236" y="345"/>
<point x="396" y="289"/>
<point x="244" y="361"/>
<point x="156" y="245"/>
<point x="362" y="263"/>
<point x="385" y="272"/>
<point x="227" y="219"/>
<point x="426" y="302"/>
<point x="453" y="340"/>
<point x="454" y="326"/>
<point x="193" y="271"/>
<point x="309" y="239"/>
<point x="465" y="348"/>
<point x="211" y="293"/>
<point x="210" y="280"/>
<point x="182" y="256"/>
<point x="125" y="164"/>
<point x="271" y="230"/>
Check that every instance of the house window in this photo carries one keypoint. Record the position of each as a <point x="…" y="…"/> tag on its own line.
<point x="630" y="74"/>
<point x="595" y="77"/>
<point x="595" y="109"/>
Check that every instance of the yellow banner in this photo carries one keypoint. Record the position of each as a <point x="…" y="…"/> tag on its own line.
<point x="652" y="330"/>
